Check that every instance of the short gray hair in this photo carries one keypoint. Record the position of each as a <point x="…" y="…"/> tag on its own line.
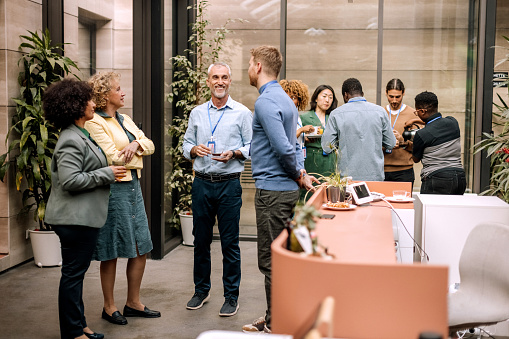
<point x="220" y="64"/>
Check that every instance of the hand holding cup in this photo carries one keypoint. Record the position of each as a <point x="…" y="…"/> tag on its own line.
<point x="119" y="170"/>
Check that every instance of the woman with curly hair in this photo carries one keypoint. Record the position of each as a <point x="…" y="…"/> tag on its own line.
<point x="80" y="191"/>
<point x="299" y="93"/>
<point x="323" y="102"/>
<point x="126" y="233"/>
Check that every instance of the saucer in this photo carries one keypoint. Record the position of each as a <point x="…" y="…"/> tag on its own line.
<point x="406" y="199"/>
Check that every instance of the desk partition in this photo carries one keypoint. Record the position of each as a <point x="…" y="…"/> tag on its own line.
<point x="375" y="296"/>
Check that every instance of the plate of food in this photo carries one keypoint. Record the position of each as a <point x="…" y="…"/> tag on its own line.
<point x="317" y="133"/>
<point x="339" y="206"/>
<point x="377" y="196"/>
<point x="398" y="199"/>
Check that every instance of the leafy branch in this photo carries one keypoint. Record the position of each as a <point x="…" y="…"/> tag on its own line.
<point x="34" y="138"/>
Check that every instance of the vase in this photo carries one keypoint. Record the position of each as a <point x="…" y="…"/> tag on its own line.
<point x="46" y="248"/>
<point x="336" y="194"/>
<point x="186" y="224"/>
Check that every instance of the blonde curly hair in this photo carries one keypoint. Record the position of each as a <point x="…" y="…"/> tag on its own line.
<point x="298" y="89"/>
<point x="101" y="85"/>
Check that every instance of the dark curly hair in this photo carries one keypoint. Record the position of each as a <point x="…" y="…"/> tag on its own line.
<point x="319" y="90"/>
<point x="65" y="101"/>
<point x="427" y="100"/>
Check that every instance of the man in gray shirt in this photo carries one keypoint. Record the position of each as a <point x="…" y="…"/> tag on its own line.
<point x="359" y="130"/>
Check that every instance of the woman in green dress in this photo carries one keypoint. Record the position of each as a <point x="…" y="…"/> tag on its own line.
<point x="323" y="102"/>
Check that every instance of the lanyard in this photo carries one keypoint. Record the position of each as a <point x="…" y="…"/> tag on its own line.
<point x="352" y="100"/>
<point x="210" y="121"/>
<point x="433" y="120"/>
<point x="389" y="109"/>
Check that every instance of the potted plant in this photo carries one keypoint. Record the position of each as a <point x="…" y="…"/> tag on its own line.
<point x="334" y="184"/>
<point x="496" y="146"/>
<point x="32" y="138"/>
<point x="302" y="232"/>
<point x="188" y="90"/>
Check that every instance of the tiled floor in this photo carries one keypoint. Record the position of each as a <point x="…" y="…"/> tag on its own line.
<point x="28" y="298"/>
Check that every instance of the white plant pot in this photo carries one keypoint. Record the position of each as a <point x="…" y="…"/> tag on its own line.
<point x="186" y="223"/>
<point x="46" y="248"/>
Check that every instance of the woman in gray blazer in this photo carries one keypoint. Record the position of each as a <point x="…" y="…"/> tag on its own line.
<point x="78" y="203"/>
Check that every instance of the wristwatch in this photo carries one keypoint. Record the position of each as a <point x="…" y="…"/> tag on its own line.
<point x="233" y="152"/>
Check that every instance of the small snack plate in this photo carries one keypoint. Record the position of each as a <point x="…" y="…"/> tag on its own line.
<point x="339" y="208"/>
<point x="392" y="199"/>
<point x="377" y="196"/>
<point x="317" y="133"/>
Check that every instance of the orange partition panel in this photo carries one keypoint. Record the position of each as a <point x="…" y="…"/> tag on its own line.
<point x="375" y="296"/>
<point x="372" y="300"/>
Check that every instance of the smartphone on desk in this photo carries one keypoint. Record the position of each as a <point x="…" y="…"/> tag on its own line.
<point x="327" y="216"/>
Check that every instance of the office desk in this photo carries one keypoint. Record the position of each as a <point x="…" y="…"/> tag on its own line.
<point x="443" y="222"/>
<point x="375" y="296"/>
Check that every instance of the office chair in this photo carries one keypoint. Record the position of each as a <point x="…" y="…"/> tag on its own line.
<point x="483" y="294"/>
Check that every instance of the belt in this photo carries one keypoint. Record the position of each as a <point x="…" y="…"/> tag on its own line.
<point x="217" y="177"/>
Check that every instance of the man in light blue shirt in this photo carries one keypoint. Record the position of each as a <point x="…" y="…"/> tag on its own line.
<point x="218" y="139"/>
<point x="360" y="130"/>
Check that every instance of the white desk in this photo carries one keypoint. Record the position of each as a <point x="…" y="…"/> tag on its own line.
<point x="443" y="222"/>
<point x="403" y="234"/>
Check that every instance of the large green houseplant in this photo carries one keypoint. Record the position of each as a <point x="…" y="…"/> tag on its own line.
<point x="31" y="139"/>
<point x="496" y="146"/>
<point x="188" y="90"/>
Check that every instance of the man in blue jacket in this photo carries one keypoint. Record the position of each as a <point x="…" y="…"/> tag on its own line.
<point x="277" y="161"/>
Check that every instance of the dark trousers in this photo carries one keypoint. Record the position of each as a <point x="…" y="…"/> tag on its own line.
<point x="401" y="176"/>
<point x="222" y="199"/>
<point x="78" y="244"/>
<point x="273" y="208"/>
<point x="449" y="181"/>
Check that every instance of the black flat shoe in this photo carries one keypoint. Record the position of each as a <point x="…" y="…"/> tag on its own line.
<point x="94" y="335"/>
<point x="146" y="313"/>
<point x="116" y="318"/>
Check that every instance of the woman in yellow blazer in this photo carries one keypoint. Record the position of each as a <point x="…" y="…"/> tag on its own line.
<point x="126" y="233"/>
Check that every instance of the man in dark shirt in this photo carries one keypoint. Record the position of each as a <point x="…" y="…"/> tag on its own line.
<point x="438" y="146"/>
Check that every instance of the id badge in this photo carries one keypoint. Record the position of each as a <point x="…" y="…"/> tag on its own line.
<point x="304" y="152"/>
<point x="325" y="154"/>
<point x="212" y="145"/>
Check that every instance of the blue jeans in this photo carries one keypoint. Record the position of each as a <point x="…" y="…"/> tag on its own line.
<point x="222" y="199"/>
<point x="448" y="181"/>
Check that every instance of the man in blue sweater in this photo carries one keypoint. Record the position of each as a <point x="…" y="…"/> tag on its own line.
<point x="277" y="161"/>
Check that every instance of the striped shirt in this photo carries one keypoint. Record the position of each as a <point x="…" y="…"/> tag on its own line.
<point x="438" y="145"/>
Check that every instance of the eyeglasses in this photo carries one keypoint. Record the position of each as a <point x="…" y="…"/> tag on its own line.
<point x="416" y="112"/>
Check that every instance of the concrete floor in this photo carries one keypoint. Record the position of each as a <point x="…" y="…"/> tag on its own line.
<point x="28" y="298"/>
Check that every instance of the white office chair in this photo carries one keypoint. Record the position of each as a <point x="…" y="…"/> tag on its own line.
<point x="483" y="294"/>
